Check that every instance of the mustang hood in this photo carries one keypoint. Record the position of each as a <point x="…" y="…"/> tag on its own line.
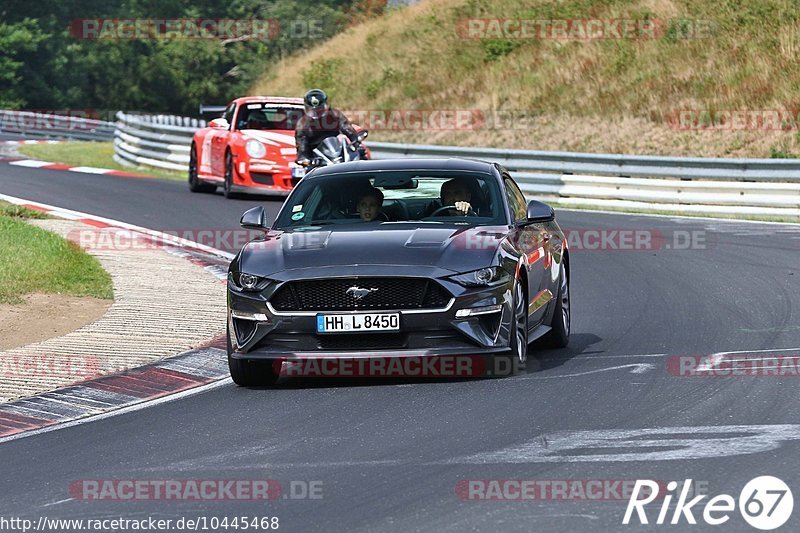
<point x="452" y="249"/>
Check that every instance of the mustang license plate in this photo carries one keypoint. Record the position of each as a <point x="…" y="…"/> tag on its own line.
<point x="364" y="322"/>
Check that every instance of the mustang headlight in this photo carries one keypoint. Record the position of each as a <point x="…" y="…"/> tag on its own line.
<point x="485" y="277"/>
<point x="255" y="149"/>
<point x="247" y="282"/>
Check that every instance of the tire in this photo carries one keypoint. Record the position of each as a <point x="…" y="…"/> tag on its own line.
<point x="248" y="373"/>
<point x="519" y="333"/>
<point x="227" y="188"/>
<point x="558" y="336"/>
<point x="195" y="185"/>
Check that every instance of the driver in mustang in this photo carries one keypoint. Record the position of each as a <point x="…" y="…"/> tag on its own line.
<point x="454" y="192"/>
<point x="319" y="122"/>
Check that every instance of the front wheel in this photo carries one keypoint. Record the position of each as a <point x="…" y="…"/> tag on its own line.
<point x="519" y="341"/>
<point x="247" y="373"/>
<point x="558" y="336"/>
<point x="227" y="188"/>
<point x="195" y="185"/>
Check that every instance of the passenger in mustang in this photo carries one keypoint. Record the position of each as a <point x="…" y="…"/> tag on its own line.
<point x="369" y="205"/>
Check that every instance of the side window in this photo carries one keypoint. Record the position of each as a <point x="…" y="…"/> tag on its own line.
<point x="228" y="115"/>
<point x="516" y="200"/>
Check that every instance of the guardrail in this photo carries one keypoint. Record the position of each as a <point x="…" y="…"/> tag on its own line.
<point x="51" y="126"/>
<point x="161" y="141"/>
<point x="650" y="183"/>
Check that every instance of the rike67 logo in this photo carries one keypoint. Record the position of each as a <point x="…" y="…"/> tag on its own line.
<point x="765" y="503"/>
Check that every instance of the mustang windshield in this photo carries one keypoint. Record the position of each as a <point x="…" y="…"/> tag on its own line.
<point x="386" y="197"/>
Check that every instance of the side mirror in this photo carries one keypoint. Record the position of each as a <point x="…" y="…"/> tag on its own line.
<point x="219" y="124"/>
<point x="255" y="218"/>
<point x="540" y="212"/>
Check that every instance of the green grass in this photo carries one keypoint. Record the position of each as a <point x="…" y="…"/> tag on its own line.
<point x="613" y="95"/>
<point x="17" y="211"/>
<point x="38" y="261"/>
<point x="91" y="154"/>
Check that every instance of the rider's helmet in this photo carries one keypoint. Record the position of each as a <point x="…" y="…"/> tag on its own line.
<point x="316" y="103"/>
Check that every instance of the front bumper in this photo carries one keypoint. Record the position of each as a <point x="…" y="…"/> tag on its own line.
<point x="257" y="331"/>
<point x="261" y="177"/>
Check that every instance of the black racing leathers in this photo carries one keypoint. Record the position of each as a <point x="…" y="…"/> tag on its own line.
<point x="310" y="132"/>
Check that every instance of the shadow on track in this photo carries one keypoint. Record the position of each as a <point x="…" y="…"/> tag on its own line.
<point x="542" y="358"/>
<point x="539" y="359"/>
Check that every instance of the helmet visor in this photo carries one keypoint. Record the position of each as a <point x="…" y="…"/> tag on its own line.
<point x="317" y="111"/>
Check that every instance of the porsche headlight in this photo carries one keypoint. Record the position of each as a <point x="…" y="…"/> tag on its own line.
<point x="485" y="277"/>
<point x="255" y="149"/>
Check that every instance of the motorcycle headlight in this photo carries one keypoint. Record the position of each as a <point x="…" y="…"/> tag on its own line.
<point x="247" y="282"/>
<point x="255" y="149"/>
<point x="485" y="277"/>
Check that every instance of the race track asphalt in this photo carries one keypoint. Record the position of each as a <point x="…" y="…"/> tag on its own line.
<point x="390" y="454"/>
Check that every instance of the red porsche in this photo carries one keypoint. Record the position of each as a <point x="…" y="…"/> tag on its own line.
<point x="250" y="149"/>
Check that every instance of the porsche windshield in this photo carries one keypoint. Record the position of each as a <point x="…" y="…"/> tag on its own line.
<point x="268" y="117"/>
<point x="387" y="197"/>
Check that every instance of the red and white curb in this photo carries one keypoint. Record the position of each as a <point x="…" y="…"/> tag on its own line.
<point x="31" y="141"/>
<point x="203" y="255"/>
<point x="189" y="373"/>
<point x="168" y="379"/>
<point x="35" y="163"/>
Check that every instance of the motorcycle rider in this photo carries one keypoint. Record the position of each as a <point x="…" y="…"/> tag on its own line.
<point x="319" y="122"/>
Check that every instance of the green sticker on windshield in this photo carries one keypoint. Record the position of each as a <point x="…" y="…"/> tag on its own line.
<point x="298" y="216"/>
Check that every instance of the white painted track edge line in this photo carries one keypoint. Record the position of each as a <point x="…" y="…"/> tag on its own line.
<point x="171" y="239"/>
<point x="137" y="406"/>
<point x="659" y="215"/>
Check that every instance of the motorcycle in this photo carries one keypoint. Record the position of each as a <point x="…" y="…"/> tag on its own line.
<point x="333" y="150"/>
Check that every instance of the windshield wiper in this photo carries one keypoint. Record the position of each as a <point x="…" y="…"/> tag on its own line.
<point x="311" y="224"/>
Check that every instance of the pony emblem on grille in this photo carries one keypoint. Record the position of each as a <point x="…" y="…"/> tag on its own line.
<point x="358" y="293"/>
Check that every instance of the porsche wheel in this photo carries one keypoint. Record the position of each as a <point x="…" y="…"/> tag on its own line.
<point x="195" y="185"/>
<point x="228" y="187"/>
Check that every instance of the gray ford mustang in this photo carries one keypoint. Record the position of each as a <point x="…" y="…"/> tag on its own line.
<point x="398" y="258"/>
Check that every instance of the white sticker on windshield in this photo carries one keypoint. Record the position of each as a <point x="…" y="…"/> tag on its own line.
<point x="297" y="208"/>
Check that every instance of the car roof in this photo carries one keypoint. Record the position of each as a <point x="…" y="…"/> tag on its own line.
<point x="408" y="163"/>
<point x="269" y="99"/>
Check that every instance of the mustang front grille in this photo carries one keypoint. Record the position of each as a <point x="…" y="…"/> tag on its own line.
<point x="352" y="294"/>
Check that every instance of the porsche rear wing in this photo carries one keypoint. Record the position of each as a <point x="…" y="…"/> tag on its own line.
<point x="212" y="110"/>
